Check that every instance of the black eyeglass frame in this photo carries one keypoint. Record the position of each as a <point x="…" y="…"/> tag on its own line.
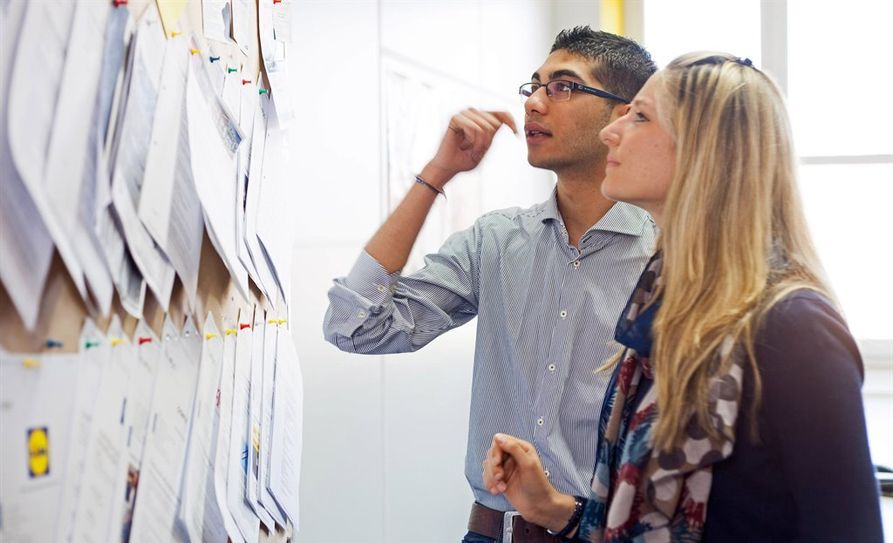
<point x="574" y="86"/>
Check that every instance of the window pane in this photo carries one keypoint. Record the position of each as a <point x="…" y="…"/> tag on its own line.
<point x="683" y="26"/>
<point x="839" y="76"/>
<point x="847" y="208"/>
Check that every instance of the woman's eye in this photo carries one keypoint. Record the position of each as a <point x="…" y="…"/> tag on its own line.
<point x="639" y="117"/>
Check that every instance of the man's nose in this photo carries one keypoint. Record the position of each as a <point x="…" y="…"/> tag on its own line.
<point x="537" y="101"/>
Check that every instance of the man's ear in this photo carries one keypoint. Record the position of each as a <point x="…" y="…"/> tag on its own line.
<point x="619" y="111"/>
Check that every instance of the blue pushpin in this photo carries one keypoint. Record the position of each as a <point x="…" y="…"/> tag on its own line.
<point x="214" y="59"/>
<point x="53" y="344"/>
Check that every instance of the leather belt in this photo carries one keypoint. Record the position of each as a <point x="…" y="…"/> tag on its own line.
<point x="506" y="527"/>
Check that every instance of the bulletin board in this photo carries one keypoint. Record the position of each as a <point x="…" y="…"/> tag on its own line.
<point x="62" y="309"/>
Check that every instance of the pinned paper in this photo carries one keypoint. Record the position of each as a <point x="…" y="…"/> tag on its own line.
<point x="170" y="11"/>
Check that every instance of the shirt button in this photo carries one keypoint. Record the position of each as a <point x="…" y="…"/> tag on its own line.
<point x="382" y="288"/>
<point x="540" y="421"/>
<point x="576" y="263"/>
<point x="551" y="367"/>
<point x="546" y="472"/>
<point x="563" y="313"/>
<point x="361" y="314"/>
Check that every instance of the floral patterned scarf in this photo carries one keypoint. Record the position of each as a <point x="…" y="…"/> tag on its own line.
<point x="640" y="494"/>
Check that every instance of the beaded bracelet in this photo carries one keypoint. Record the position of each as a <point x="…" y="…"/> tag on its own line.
<point x="579" y="505"/>
<point x="421" y="181"/>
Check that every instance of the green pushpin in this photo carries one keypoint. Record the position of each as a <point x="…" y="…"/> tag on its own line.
<point x="231" y="70"/>
<point x="262" y="91"/>
<point x="91" y="344"/>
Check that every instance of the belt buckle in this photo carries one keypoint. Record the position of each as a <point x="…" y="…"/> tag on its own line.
<point x="508" y="525"/>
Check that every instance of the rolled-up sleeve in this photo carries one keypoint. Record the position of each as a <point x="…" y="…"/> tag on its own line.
<point x="372" y="311"/>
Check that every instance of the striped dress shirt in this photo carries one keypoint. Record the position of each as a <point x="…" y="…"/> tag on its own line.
<point x="546" y="316"/>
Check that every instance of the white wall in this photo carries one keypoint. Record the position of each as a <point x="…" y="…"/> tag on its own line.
<point x="384" y="437"/>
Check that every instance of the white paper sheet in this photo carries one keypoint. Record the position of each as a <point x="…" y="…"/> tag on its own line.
<point x="266" y="422"/>
<point x="240" y="437"/>
<point x="259" y="260"/>
<point x="243" y="32"/>
<point x="169" y="206"/>
<point x="222" y="453"/>
<point x="164" y="455"/>
<point x="216" y="19"/>
<point x="248" y="106"/>
<point x="25" y="243"/>
<point x="255" y="391"/>
<point x="288" y="423"/>
<point x="69" y="185"/>
<point x="276" y="200"/>
<point x="136" y="419"/>
<point x="214" y="140"/>
<point x="198" y="518"/>
<point x="35" y="426"/>
<point x="35" y="88"/>
<point x="274" y="26"/>
<point x="95" y="351"/>
<point x="126" y="277"/>
<point x="106" y="444"/>
<point x="132" y="150"/>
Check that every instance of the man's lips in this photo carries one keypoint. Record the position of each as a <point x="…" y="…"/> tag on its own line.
<point x="611" y="161"/>
<point x="535" y="130"/>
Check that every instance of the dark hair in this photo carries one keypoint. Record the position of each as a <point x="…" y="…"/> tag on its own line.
<point x="621" y="64"/>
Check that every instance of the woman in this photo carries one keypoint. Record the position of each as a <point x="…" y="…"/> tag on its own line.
<point x="734" y="410"/>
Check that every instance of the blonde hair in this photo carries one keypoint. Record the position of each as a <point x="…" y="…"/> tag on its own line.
<point x="734" y="239"/>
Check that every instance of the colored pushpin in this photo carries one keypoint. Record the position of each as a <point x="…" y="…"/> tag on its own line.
<point x="31" y="363"/>
<point x="246" y="81"/>
<point x="231" y="331"/>
<point x="231" y="70"/>
<point x="277" y="1"/>
<point x="119" y="3"/>
<point x="90" y="344"/>
<point x="116" y="341"/>
<point x="53" y="344"/>
<point x="174" y="34"/>
<point x="262" y="91"/>
<point x="194" y="51"/>
<point x="209" y="336"/>
<point x="213" y="59"/>
<point x="144" y="340"/>
<point x="244" y="325"/>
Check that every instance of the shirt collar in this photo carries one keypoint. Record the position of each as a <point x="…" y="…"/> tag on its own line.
<point x="622" y="218"/>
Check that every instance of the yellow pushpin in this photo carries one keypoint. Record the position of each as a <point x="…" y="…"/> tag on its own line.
<point x="209" y="336"/>
<point x="174" y="34"/>
<point x="116" y="341"/>
<point x="194" y="51"/>
<point x="31" y="363"/>
<point x="231" y="331"/>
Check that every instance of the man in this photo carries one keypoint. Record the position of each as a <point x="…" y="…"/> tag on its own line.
<point x="547" y="283"/>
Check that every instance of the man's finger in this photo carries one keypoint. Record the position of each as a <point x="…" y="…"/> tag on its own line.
<point x="506" y="118"/>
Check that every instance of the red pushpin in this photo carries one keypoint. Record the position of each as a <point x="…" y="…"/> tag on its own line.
<point x="144" y="340"/>
<point x="277" y="1"/>
<point x="119" y="3"/>
<point x="246" y="81"/>
<point x="244" y="325"/>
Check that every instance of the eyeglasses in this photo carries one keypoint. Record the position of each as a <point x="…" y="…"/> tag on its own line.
<point x="559" y="90"/>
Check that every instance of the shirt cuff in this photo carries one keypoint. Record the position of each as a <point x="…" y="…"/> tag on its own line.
<point x="370" y="280"/>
